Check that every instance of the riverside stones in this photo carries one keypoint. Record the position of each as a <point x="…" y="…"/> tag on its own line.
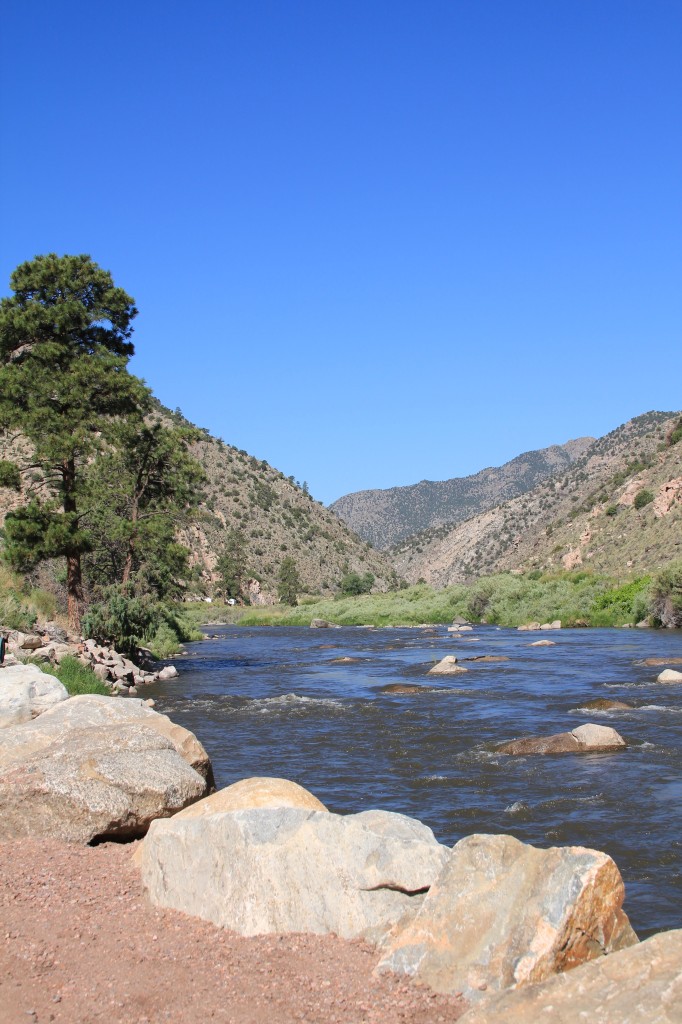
<point x="586" y="739"/>
<point x="447" y="667"/>
<point x="503" y="914"/>
<point x="606" y="704"/>
<point x="290" y="869"/>
<point x="641" y="985"/>
<point x="26" y="692"/>
<point x="96" y="767"/>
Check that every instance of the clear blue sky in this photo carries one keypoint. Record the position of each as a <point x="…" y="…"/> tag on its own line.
<point x="371" y="242"/>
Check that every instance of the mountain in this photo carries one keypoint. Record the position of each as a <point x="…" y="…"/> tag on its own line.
<point x="276" y="518"/>
<point x="616" y="509"/>
<point x="385" y="517"/>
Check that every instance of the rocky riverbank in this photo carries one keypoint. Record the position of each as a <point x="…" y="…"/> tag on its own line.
<point x="263" y="867"/>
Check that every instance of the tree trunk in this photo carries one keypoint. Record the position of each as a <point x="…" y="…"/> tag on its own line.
<point x="74" y="574"/>
<point x="132" y="541"/>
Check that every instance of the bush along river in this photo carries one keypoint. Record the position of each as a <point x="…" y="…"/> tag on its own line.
<point x="283" y="702"/>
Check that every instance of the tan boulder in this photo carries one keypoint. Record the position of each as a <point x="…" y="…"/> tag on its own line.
<point x="669" y="675"/>
<point x="255" y="792"/>
<point x="661" y="661"/>
<point x="543" y="643"/>
<point x="639" y="985"/>
<point x="447" y="666"/>
<point x="503" y="914"/>
<point x="585" y="739"/>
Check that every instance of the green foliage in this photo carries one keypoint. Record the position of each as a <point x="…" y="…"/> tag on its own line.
<point x="231" y="565"/>
<point x="642" y="498"/>
<point x="9" y="475"/>
<point x="289" y="582"/>
<point x="129" y="619"/>
<point x="354" y="583"/>
<point x="77" y="678"/>
<point x="620" y="605"/>
<point x="64" y="346"/>
<point x="16" y="613"/>
<point x="612" y="510"/>
<point x="666" y="596"/>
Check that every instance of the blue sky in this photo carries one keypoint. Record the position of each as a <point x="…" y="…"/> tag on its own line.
<point x="370" y="242"/>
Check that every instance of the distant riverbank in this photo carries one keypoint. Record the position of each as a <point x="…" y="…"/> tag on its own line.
<point x="575" y="598"/>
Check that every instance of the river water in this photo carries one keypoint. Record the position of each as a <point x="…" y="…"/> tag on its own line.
<point x="272" y="701"/>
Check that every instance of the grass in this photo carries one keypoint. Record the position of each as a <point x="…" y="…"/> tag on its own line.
<point x="76" y="677"/>
<point x="21" y="606"/>
<point x="505" y="600"/>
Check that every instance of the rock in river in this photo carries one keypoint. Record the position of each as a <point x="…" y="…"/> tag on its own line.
<point x="669" y="675"/>
<point x="585" y="739"/>
<point x="447" y="667"/>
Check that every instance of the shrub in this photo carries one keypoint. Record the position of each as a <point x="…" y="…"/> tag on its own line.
<point x="643" y="497"/>
<point x="666" y="596"/>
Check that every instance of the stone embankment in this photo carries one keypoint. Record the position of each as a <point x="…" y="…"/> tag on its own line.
<point x="52" y="644"/>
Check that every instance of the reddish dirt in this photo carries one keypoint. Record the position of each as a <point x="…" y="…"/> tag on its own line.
<point x="80" y="944"/>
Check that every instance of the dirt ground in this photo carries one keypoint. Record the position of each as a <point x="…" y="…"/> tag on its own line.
<point x="80" y="944"/>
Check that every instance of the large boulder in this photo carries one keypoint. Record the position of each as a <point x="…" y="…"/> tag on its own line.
<point x="26" y="692"/>
<point x="93" y="711"/>
<point x="503" y="914"/>
<point x="105" y="783"/>
<point x="292" y="870"/>
<point x="255" y="792"/>
<point x="447" y="666"/>
<point x="585" y="739"/>
<point x="641" y="985"/>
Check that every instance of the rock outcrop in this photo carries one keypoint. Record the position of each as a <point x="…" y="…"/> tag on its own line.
<point x="26" y="692"/>
<point x="292" y="870"/>
<point x="641" y="985"/>
<point x="585" y="739"/>
<point x="96" y="767"/>
<point x="503" y="914"/>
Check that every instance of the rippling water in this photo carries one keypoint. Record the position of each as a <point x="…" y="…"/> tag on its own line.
<point x="272" y="701"/>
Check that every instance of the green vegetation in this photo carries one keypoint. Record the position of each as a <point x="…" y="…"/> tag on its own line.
<point x="129" y="620"/>
<point x="642" y="498"/>
<point x="77" y="678"/>
<point x="506" y="600"/>
<point x="666" y="597"/>
<point x="289" y="582"/>
<point x="354" y="583"/>
<point x="231" y="565"/>
<point x="105" y="483"/>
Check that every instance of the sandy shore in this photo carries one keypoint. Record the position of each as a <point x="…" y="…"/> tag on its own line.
<point x="79" y="944"/>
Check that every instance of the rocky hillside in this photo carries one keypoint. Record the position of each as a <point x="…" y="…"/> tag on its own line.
<point x="616" y="509"/>
<point x="385" y="517"/>
<point x="276" y="517"/>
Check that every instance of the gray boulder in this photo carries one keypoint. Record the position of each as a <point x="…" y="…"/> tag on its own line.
<point x="292" y="870"/>
<point x="26" y="692"/>
<point x="447" y="666"/>
<point x="106" y="783"/>
<point x="503" y="914"/>
<point x="640" y="985"/>
<point x="92" y="711"/>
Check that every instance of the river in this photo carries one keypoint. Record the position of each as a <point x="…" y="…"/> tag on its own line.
<point x="274" y="701"/>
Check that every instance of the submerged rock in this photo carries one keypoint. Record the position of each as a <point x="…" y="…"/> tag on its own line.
<point x="503" y="914"/>
<point x="585" y="739"/>
<point x="543" y="643"/>
<point x="605" y="704"/>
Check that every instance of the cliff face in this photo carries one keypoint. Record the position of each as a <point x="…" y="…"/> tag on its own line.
<point x="385" y="517"/>
<point x="585" y="516"/>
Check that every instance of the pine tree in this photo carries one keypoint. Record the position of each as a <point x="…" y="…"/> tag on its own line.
<point x="64" y="348"/>
<point x="289" y="581"/>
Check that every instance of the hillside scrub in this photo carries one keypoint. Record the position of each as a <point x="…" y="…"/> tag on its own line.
<point x="666" y="597"/>
<point x="503" y="600"/>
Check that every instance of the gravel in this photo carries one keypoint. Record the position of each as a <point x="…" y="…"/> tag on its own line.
<point x="81" y="944"/>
